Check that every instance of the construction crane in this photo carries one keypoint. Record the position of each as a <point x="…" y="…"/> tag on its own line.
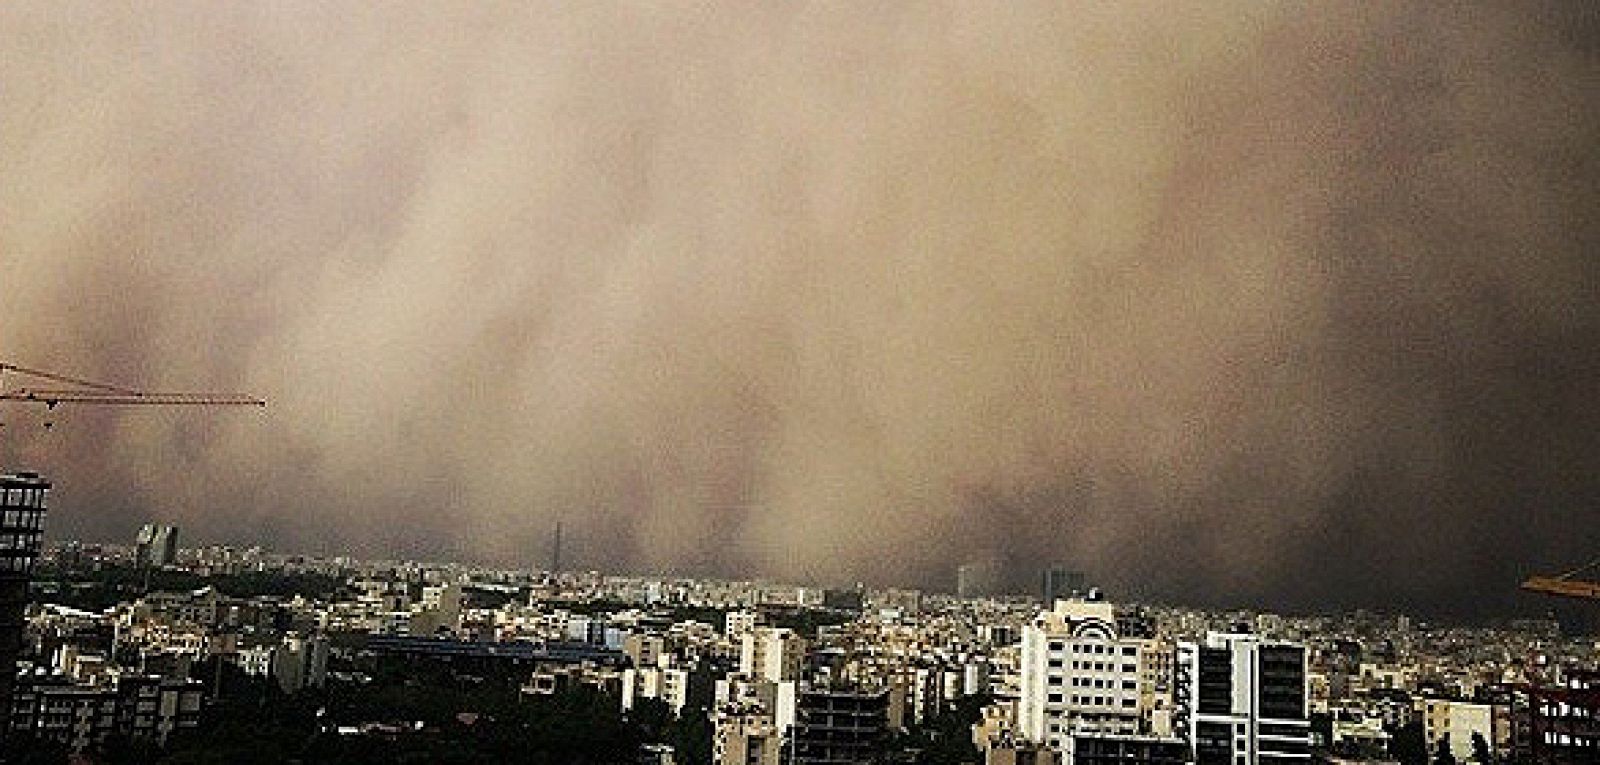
<point x="90" y="392"/>
<point x="81" y="391"/>
<point x="1567" y="584"/>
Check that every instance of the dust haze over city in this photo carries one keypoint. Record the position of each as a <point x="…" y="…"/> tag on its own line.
<point x="1223" y="303"/>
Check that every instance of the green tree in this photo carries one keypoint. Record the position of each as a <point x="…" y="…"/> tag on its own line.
<point x="1442" y="754"/>
<point x="1406" y="744"/>
<point x="1480" y="749"/>
<point x="20" y="750"/>
<point x="945" y="738"/>
<point x="691" y="736"/>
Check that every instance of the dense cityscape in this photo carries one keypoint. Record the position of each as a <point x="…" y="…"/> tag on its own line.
<point x="153" y="651"/>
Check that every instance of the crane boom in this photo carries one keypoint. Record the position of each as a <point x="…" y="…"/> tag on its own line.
<point x="1566" y="584"/>
<point x="1570" y="588"/>
<point x="93" y="392"/>
<point x="148" y="399"/>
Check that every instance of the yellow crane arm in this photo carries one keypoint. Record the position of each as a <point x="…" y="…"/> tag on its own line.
<point x="1569" y="588"/>
<point x="1567" y="585"/>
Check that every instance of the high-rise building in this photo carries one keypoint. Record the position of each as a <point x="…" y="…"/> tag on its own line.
<point x="157" y="545"/>
<point x="1242" y="699"/>
<point x="1079" y="675"/>
<point x="1060" y="582"/>
<point x="22" y="511"/>
<point x="772" y="654"/>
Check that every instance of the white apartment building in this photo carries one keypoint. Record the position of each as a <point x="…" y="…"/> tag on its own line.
<point x="773" y="654"/>
<point x="668" y="685"/>
<point x="1078" y="674"/>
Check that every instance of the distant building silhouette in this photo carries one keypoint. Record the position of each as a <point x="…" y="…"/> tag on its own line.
<point x="978" y="578"/>
<point x="157" y="545"/>
<point x="1060" y="583"/>
<point x="844" y="600"/>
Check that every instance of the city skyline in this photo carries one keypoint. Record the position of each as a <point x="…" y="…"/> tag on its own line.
<point x="1245" y="303"/>
<point x="702" y="670"/>
<point x="1572" y="616"/>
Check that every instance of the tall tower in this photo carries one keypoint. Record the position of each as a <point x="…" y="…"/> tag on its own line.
<point x="555" y="552"/>
<point x="22" y="509"/>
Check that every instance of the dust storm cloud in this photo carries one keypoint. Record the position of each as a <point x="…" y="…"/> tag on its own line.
<point x="1221" y="302"/>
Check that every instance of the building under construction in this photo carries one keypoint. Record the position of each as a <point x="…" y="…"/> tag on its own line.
<point x="839" y="725"/>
